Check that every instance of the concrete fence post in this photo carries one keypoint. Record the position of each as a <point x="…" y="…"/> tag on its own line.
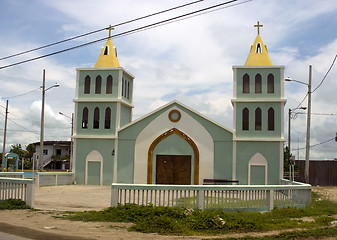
<point x="30" y="198"/>
<point x="270" y="199"/>
<point x="37" y="176"/>
<point x="114" y="197"/>
<point x="201" y="199"/>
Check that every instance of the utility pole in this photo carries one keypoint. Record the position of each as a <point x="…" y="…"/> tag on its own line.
<point x="307" y="145"/>
<point x="4" y="142"/>
<point x="289" y="120"/>
<point x="41" y="162"/>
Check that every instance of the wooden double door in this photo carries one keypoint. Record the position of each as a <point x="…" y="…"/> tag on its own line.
<point x="173" y="169"/>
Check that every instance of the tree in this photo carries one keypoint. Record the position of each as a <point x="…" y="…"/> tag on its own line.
<point x="26" y="155"/>
<point x="30" y="149"/>
<point x="17" y="149"/>
<point x="286" y="158"/>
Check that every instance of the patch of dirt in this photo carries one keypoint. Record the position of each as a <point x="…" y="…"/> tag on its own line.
<point x="327" y="193"/>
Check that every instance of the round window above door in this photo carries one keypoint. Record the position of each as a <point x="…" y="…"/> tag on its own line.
<point x="174" y="115"/>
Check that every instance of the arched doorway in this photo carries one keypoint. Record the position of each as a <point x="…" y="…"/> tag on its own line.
<point x="258" y="170"/>
<point x="177" y="163"/>
<point x="94" y="168"/>
<point x="11" y="162"/>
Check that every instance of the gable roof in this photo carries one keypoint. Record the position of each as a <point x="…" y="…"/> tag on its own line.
<point x="171" y="104"/>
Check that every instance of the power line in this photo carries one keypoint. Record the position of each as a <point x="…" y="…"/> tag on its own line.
<point x="298" y="106"/>
<point x="146" y="27"/>
<point x="99" y="30"/>
<point x="20" y="95"/>
<point x="317" y="144"/>
<point x="333" y="62"/>
<point x="187" y="17"/>
<point x="36" y="132"/>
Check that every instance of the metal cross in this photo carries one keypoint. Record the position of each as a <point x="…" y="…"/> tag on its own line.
<point x="109" y="28"/>
<point x="258" y="27"/>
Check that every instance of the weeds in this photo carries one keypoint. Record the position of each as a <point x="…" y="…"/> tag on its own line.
<point x="10" y="204"/>
<point x="168" y="220"/>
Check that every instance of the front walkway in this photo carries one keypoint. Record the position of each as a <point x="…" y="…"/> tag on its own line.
<point x="72" y="198"/>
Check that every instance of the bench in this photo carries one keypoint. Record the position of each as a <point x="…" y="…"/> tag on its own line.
<point x="218" y="181"/>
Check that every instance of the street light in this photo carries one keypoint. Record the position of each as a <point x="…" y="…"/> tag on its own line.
<point x="289" y="142"/>
<point x="307" y="145"/>
<point x="71" y="138"/>
<point x="42" y="117"/>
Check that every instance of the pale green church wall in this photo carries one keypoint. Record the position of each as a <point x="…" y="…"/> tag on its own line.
<point x="86" y="146"/>
<point x="125" y="115"/>
<point x="126" y="151"/>
<point x="223" y="161"/>
<point x="264" y="72"/>
<point x="270" y="150"/>
<point x="93" y="74"/>
<point x="91" y="107"/>
<point x="264" y="132"/>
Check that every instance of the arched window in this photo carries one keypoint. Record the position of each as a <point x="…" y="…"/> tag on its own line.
<point x="271" y="119"/>
<point x="98" y="84"/>
<point x="109" y="83"/>
<point x="258" y="119"/>
<point x="122" y="87"/>
<point x="107" y="122"/>
<point x="87" y="85"/>
<point x="245" y="86"/>
<point x="270" y="83"/>
<point x="106" y="50"/>
<point x="125" y="88"/>
<point x="85" y="118"/>
<point x="128" y="90"/>
<point x="245" y="119"/>
<point x="258" y="48"/>
<point x="258" y="83"/>
<point x="96" y="118"/>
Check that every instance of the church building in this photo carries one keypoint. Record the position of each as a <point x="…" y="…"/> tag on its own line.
<point x="175" y="144"/>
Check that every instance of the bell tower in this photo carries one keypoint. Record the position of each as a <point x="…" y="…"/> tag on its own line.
<point x="258" y="117"/>
<point x="103" y="104"/>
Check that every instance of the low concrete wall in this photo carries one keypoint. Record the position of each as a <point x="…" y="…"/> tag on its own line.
<point x="12" y="174"/>
<point x="54" y="178"/>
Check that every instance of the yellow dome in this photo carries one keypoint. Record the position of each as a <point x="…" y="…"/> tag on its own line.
<point x="108" y="56"/>
<point x="258" y="55"/>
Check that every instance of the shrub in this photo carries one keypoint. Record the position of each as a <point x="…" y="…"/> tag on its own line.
<point x="13" y="204"/>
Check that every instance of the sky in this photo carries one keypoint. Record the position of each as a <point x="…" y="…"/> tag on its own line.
<point x="189" y="61"/>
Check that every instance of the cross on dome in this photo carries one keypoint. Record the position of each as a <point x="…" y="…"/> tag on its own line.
<point x="258" y="27"/>
<point x="110" y="28"/>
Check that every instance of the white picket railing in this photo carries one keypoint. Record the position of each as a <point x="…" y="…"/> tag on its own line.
<point x="230" y="197"/>
<point x="15" y="188"/>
